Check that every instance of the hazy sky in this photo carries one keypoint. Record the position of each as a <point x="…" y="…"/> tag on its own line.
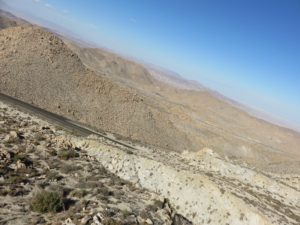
<point x="247" y="50"/>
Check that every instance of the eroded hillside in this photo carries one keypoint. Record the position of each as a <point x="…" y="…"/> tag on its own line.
<point x="9" y="20"/>
<point x="98" y="181"/>
<point x="207" y="118"/>
<point x="46" y="180"/>
<point x="37" y="67"/>
<point x="122" y="97"/>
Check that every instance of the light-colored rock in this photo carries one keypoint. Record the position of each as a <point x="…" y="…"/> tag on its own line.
<point x="20" y="165"/>
<point x="96" y="220"/>
<point x="200" y="186"/>
<point x="198" y="196"/>
<point x="85" y="220"/>
<point x="148" y="221"/>
<point x="68" y="222"/>
<point x="13" y="134"/>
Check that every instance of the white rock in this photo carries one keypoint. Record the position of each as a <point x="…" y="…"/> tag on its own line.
<point x="68" y="222"/>
<point x="96" y="220"/>
<point x="148" y="221"/>
<point x="85" y="220"/>
<point x="13" y="134"/>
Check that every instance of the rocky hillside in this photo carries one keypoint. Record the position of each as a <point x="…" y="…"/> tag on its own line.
<point x="120" y="96"/>
<point x="207" y="118"/>
<point x="9" y="20"/>
<point x="38" y="67"/>
<point x="112" y="65"/>
<point x="49" y="176"/>
<point x="45" y="180"/>
<point x="203" y="186"/>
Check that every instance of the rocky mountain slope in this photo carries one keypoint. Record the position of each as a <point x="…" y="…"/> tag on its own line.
<point x="122" y="97"/>
<point x="100" y="182"/>
<point x="207" y="118"/>
<point x="9" y="20"/>
<point x="112" y="65"/>
<point x="225" y="167"/>
<point x="36" y="159"/>
<point x="38" y="67"/>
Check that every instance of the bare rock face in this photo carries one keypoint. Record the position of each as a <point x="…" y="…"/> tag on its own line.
<point x="37" y="67"/>
<point x="204" y="187"/>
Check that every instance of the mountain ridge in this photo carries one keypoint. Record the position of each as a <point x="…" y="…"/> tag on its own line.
<point x="121" y="97"/>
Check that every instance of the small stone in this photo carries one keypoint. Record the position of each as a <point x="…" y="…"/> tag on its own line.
<point x="132" y="220"/>
<point x="100" y="216"/>
<point x="19" y="165"/>
<point x="5" y="155"/>
<point x="23" y="124"/>
<point x="85" y="220"/>
<point x="96" y="220"/>
<point x="68" y="222"/>
<point x="7" y="138"/>
<point x="13" y="134"/>
<point x="148" y="221"/>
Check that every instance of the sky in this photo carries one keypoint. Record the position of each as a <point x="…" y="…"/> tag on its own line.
<point x="247" y="50"/>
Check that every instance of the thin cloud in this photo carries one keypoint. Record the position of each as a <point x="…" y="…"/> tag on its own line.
<point x="36" y="1"/>
<point x="65" y="11"/>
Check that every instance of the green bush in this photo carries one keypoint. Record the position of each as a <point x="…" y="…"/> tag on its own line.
<point x="46" y="201"/>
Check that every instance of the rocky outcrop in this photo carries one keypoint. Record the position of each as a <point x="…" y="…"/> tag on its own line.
<point x="199" y="188"/>
<point x="202" y="187"/>
<point x="36" y="157"/>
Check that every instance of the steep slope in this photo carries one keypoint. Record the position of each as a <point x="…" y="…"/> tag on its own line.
<point x="206" y="117"/>
<point x="112" y="65"/>
<point x="9" y="20"/>
<point x="173" y="79"/>
<point x="38" y="67"/>
<point x="36" y="159"/>
<point x="125" y="98"/>
<point x="159" y="187"/>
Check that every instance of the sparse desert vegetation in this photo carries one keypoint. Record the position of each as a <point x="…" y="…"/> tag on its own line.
<point x="134" y="102"/>
<point x="46" y="180"/>
<point x="46" y="201"/>
<point x="184" y="155"/>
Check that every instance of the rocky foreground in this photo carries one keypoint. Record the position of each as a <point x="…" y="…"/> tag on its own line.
<point x="95" y="181"/>
<point x="46" y="180"/>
